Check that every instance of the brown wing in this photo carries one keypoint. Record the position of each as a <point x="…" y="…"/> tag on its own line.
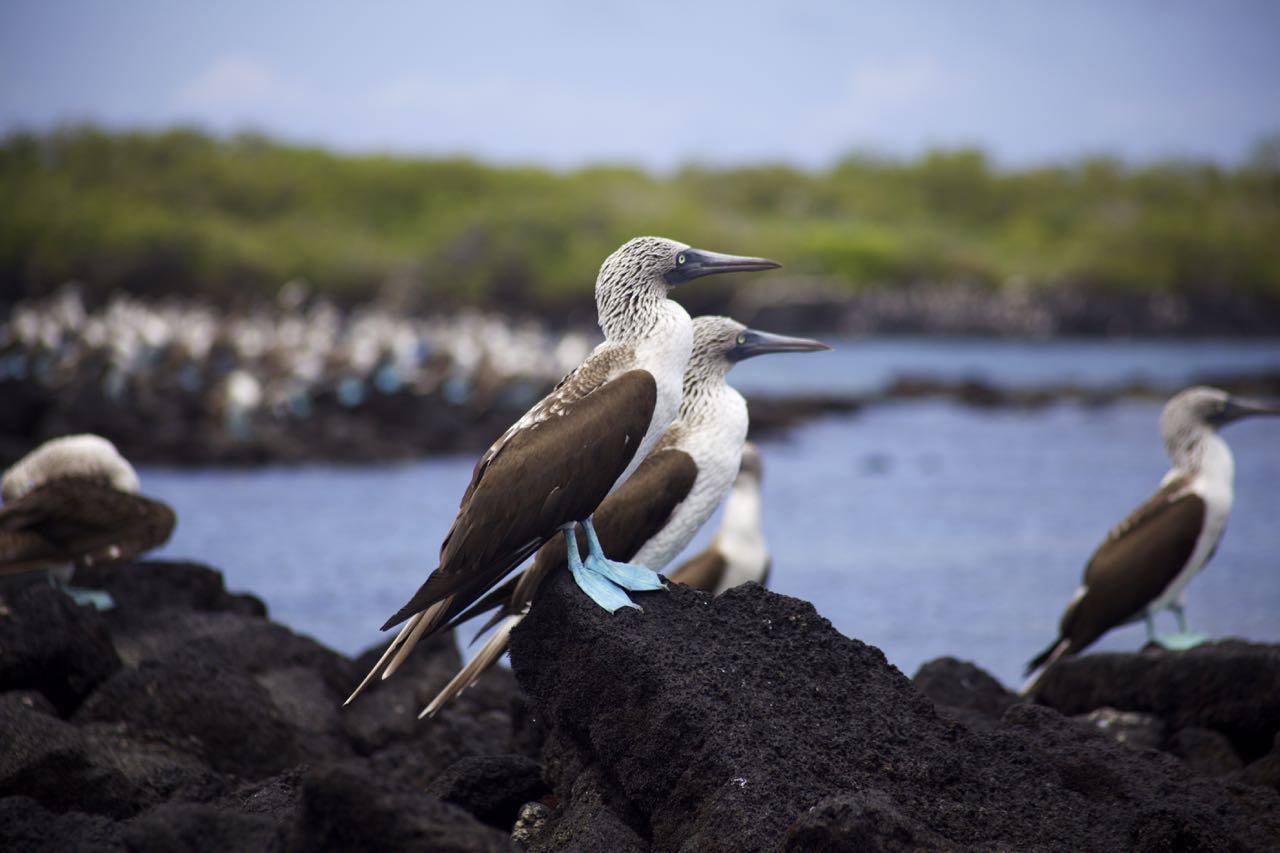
<point x="625" y="521"/>
<point x="70" y="520"/>
<point x="542" y="477"/>
<point x="702" y="571"/>
<point x="1138" y="560"/>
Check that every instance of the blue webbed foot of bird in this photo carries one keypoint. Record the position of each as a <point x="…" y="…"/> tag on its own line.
<point x="98" y="599"/>
<point x="630" y="576"/>
<point x="1181" y="641"/>
<point x="598" y="588"/>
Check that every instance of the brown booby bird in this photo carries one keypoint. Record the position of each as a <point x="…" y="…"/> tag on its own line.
<point x="73" y="501"/>
<point x="738" y="554"/>
<point x="1146" y="562"/>
<point x="652" y="517"/>
<point x="553" y="467"/>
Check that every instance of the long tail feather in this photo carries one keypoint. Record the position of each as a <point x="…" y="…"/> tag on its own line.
<point x="377" y="667"/>
<point x="1048" y="658"/>
<point x="493" y="649"/>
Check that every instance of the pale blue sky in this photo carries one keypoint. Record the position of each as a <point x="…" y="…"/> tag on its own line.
<point x="659" y="83"/>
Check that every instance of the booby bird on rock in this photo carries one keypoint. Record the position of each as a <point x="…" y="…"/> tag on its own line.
<point x="1146" y="562"/>
<point x="738" y="554"/>
<point x="74" y="501"/>
<point x="554" y="466"/>
<point x="652" y="517"/>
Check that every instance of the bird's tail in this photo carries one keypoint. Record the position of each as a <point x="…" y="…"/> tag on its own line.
<point x="1045" y="659"/>
<point x="489" y="653"/>
<point x="404" y="643"/>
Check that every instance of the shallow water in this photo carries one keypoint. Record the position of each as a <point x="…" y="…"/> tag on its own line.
<point x="925" y="528"/>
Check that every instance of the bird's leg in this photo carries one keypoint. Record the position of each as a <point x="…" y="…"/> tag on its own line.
<point x="98" y="599"/>
<point x="1152" y="636"/>
<point x="600" y="589"/>
<point x="632" y="576"/>
<point x="1184" y="639"/>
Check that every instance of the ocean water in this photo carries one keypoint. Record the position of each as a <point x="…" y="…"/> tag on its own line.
<point x="925" y="528"/>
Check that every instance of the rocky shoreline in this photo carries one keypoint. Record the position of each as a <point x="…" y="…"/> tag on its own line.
<point x="185" y="720"/>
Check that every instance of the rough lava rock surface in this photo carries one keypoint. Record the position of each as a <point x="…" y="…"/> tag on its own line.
<point x="184" y="720"/>
<point x="746" y="722"/>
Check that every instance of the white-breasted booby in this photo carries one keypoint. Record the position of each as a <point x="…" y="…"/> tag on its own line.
<point x="74" y="501"/>
<point x="1146" y="562"/>
<point x="654" y="515"/>
<point x="553" y="467"/>
<point x="738" y="554"/>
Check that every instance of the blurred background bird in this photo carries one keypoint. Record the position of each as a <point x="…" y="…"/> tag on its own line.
<point x="73" y="501"/>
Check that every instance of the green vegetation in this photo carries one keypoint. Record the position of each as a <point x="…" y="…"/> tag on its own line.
<point x="185" y="212"/>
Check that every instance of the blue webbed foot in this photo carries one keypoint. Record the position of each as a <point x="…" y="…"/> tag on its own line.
<point x="1181" y="641"/>
<point x="98" y="599"/>
<point x="601" y="590"/>
<point x="632" y="576"/>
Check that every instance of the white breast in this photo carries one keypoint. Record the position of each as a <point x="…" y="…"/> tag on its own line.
<point x="1214" y="484"/>
<point x="664" y="353"/>
<point x="715" y="443"/>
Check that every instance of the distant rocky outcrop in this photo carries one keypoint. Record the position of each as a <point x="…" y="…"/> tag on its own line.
<point x="185" y="720"/>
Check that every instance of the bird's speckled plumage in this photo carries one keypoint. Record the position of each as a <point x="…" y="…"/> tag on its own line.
<point x="652" y="517"/>
<point x="570" y="450"/>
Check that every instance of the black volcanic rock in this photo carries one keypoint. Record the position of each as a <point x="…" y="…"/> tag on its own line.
<point x="1229" y="686"/>
<point x="964" y="691"/>
<point x="212" y="728"/>
<point x="747" y="722"/>
<point x="348" y="808"/>
<point x="50" y="644"/>
<point x="491" y="787"/>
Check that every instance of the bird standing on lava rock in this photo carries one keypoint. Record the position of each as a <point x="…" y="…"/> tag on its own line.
<point x="553" y="467"/>
<point x="654" y="515"/>
<point x="73" y="501"/>
<point x="1146" y="562"/>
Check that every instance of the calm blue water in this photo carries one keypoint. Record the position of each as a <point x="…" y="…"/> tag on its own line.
<point x="924" y="528"/>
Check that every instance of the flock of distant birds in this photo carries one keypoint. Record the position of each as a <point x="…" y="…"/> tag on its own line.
<point x="615" y="470"/>
<point x="271" y="363"/>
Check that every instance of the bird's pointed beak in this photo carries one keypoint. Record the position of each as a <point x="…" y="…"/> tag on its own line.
<point x="752" y="343"/>
<point x="695" y="263"/>
<point x="1238" y="407"/>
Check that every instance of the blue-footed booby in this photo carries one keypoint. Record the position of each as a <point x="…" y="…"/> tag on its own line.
<point x="74" y="501"/>
<point x="553" y="467"/>
<point x="652" y="517"/>
<point x="738" y="554"/>
<point x="1146" y="561"/>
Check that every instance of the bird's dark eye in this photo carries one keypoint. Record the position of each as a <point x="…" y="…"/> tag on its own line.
<point x="680" y="258"/>
<point x="742" y="338"/>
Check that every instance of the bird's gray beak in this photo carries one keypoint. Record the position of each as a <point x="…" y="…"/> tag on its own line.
<point x="695" y="263"/>
<point x="751" y="343"/>
<point x="1238" y="407"/>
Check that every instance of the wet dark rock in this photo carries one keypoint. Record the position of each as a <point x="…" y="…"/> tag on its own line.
<point x="225" y="714"/>
<point x="1139" y="731"/>
<point x="1228" y="686"/>
<point x="181" y="827"/>
<point x="964" y="692"/>
<point x="491" y="787"/>
<point x="721" y="723"/>
<point x="866" y="820"/>
<point x="26" y="825"/>
<point x="148" y="586"/>
<point x="1266" y="770"/>
<point x="1205" y="751"/>
<point x="49" y="644"/>
<point x="48" y="760"/>
<point x="347" y="808"/>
